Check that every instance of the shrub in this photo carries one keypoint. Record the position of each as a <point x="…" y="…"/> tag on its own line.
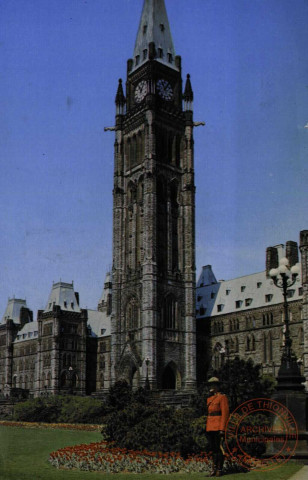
<point x="163" y="429"/>
<point x="65" y="409"/>
<point x="119" y="396"/>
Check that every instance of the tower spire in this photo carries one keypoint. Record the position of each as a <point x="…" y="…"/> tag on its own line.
<point x="154" y="30"/>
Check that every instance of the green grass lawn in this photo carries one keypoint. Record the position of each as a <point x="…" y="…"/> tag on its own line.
<point x="24" y="455"/>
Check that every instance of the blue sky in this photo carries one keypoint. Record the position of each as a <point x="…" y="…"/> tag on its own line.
<point x="60" y="62"/>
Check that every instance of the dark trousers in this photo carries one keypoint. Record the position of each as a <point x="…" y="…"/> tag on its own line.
<point x="215" y="440"/>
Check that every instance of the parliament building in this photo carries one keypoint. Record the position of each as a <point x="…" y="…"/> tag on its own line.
<point x="152" y="327"/>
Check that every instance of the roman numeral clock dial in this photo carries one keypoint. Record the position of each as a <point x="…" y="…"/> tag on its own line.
<point x="164" y="89"/>
<point x="140" y="91"/>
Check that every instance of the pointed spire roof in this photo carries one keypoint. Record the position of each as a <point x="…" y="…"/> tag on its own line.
<point x="120" y="98"/>
<point x="154" y="28"/>
<point x="188" y="93"/>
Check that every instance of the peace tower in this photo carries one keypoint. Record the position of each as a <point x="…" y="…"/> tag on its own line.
<point x="153" y="337"/>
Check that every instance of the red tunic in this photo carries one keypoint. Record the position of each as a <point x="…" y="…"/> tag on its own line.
<point x="218" y="412"/>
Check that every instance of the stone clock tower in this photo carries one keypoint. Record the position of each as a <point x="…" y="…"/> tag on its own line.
<point x="153" y="337"/>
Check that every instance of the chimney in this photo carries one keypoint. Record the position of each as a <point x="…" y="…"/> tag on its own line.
<point x="292" y="252"/>
<point x="271" y="259"/>
<point x="303" y="245"/>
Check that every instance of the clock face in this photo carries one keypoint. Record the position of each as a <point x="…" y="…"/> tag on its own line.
<point x="141" y="91"/>
<point x="164" y="89"/>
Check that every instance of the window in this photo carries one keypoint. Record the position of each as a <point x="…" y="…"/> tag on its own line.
<point x="162" y="27"/>
<point x="268" y="297"/>
<point x="238" y="303"/>
<point x="228" y="292"/>
<point x="212" y="294"/>
<point x="160" y="53"/>
<point x="137" y="59"/>
<point x="248" y="301"/>
<point x="145" y="27"/>
<point x="72" y="305"/>
<point x="220" y="307"/>
<point x="199" y="298"/>
<point x="170" y="59"/>
<point x="103" y="330"/>
<point x="202" y="310"/>
<point x="36" y="333"/>
<point x="243" y="288"/>
<point x="300" y="291"/>
<point x="259" y="284"/>
<point x="145" y="54"/>
<point x="65" y="304"/>
<point x="290" y="293"/>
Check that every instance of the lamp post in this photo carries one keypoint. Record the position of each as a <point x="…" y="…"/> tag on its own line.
<point x="290" y="388"/>
<point x="289" y="373"/>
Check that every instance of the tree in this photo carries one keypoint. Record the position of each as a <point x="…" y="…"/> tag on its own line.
<point x="241" y="380"/>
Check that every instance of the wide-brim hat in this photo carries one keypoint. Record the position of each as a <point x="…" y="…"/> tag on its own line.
<point x="213" y="380"/>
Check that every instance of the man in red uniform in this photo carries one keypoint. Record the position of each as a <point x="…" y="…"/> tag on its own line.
<point x="217" y="417"/>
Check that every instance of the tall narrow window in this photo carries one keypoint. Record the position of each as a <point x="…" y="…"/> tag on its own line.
<point x="174" y="226"/>
<point x="170" y="313"/>
<point x="162" y="230"/>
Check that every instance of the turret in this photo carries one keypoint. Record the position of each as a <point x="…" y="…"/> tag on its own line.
<point x="120" y="99"/>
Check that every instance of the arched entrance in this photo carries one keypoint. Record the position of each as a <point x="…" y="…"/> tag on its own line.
<point x="171" y="379"/>
<point x="129" y="371"/>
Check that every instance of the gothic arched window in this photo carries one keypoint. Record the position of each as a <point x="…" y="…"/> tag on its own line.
<point x="132" y="315"/>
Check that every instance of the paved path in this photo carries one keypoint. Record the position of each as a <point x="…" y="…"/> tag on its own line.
<point x="302" y="474"/>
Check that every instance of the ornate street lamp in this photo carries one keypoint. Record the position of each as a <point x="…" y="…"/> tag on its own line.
<point x="289" y="373"/>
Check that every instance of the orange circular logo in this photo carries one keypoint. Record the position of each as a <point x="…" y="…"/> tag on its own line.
<point x="261" y="433"/>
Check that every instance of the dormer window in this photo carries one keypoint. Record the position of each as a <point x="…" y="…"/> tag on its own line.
<point x="228" y="292"/>
<point x="170" y="58"/>
<point x="137" y="59"/>
<point x="243" y="288"/>
<point x="220" y="307"/>
<point x="72" y="305"/>
<point x="162" y="27"/>
<point x="103" y="330"/>
<point x="160" y="53"/>
<point x="145" y="54"/>
<point x="50" y="306"/>
<point x="238" y="303"/>
<point x="290" y="293"/>
<point x="268" y="297"/>
<point x="145" y="27"/>
<point x="65" y="304"/>
<point x="212" y="294"/>
<point x="259" y="284"/>
<point x="248" y="301"/>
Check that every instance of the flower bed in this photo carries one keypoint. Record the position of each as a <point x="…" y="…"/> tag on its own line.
<point x="109" y="459"/>
<point x="63" y="426"/>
